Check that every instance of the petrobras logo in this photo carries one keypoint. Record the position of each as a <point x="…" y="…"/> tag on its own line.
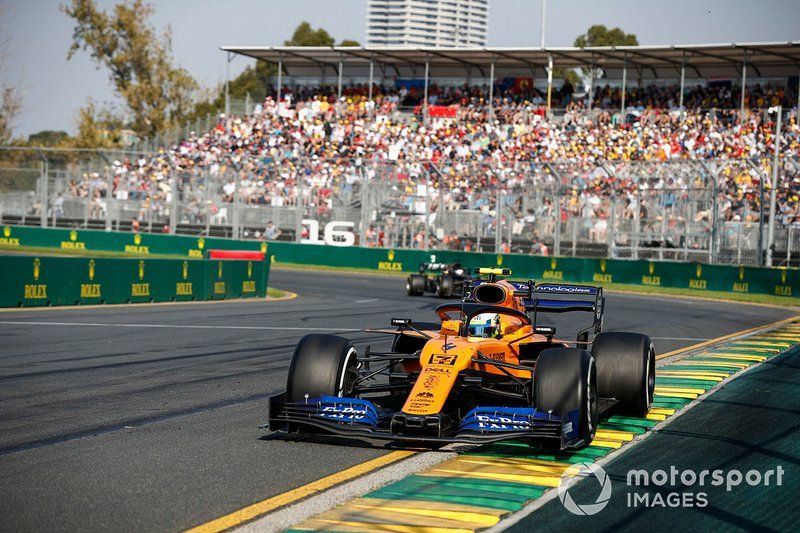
<point x="344" y="413"/>
<point x="565" y="289"/>
<point x="504" y="423"/>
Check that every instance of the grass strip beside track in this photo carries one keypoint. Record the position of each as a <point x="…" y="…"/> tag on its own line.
<point x="40" y="250"/>
<point x="763" y="299"/>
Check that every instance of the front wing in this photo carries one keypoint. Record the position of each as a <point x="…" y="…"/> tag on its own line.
<point x="356" y="417"/>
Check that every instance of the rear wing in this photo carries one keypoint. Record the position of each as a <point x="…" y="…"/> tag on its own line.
<point x="565" y="298"/>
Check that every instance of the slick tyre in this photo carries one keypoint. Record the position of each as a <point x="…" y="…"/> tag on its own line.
<point x="444" y="289"/>
<point x="415" y="285"/>
<point x="322" y="365"/>
<point x="565" y="380"/>
<point x="626" y="370"/>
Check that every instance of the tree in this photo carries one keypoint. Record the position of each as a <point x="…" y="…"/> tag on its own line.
<point x="48" y="138"/>
<point x="596" y="35"/>
<point x="305" y="35"/>
<point x="10" y="95"/>
<point x="599" y="35"/>
<point x="157" y="93"/>
<point x="98" y="127"/>
<point x="349" y="42"/>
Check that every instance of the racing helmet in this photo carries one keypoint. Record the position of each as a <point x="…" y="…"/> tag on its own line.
<point x="485" y="325"/>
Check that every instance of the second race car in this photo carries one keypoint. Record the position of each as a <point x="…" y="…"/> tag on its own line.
<point x="442" y="279"/>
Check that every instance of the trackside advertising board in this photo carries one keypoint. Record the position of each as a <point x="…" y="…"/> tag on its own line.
<point x="694" y="276"/>
<point x="31" y="280"/>
<point x="124" y="242"/>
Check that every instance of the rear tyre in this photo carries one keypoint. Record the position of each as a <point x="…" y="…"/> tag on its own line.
<point x="565" y="380"/>
<point x="626" y="370"/>
<point x="322" y="365"/>
<point x="415" y="285"/>
<point x="444" y="289"/>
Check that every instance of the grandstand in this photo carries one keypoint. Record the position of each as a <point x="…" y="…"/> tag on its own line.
<point x="417" y="148"/>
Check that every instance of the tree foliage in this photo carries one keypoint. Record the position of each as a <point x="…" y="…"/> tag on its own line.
<point x="349" y="42"/>
<point x="157" y="93"/>
<point x="305" y="35"/>
<point x="48" y="138"/>
<point x="10" y="93"/>
<point x="599" y="35"/>
<point x="98" y="127"/>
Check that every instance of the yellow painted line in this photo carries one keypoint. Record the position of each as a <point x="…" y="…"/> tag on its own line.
<point x="533" y="465"/>
<point x="545" y="481"/>
<point x="751" y="349"/>
<point x="677" y="395"/>
<point x="606" y="443"/>
<point x="684" y="390"/>
<point x="731" y="364"/>
<point x="726" y="337"/>
<point x="657" y="417"/>
<point x="270" y="504"/>
<point x="613" y="434"/>
<point x="696" y="377"/>
<point x="772" y="339"/>
<point x="702" y="374"/>
<point x="351" y="526"/>
<point x="662" y="411"/>
<point x="736" y="357"/>
<point x="424" y="514"/>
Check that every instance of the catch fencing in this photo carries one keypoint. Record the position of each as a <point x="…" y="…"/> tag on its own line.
<point x="682" y="210"/>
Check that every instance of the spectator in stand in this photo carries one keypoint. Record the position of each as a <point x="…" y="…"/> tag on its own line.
<point x="271" y="232"/>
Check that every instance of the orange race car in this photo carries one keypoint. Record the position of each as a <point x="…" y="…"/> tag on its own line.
<point x="488" y="371"/>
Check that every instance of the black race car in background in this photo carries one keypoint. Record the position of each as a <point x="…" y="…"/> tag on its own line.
<point x="443" y="279"/>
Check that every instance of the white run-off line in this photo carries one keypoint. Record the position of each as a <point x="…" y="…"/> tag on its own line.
<point x="167" y="326"/>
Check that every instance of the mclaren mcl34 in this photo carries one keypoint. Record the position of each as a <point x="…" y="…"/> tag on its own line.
<point x="487" y="371"/>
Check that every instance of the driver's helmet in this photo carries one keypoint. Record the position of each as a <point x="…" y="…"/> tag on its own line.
<point x="485" y="325"/>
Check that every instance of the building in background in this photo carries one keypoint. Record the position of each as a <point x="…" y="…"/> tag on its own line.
<point x="444" y="23"/>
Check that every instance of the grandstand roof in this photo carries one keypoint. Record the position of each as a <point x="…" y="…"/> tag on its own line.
<point x="765" y="59"/>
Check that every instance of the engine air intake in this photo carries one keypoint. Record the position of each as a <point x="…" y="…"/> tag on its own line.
<point x="489" y="293"/>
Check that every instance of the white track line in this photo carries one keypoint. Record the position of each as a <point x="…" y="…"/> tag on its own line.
<point x="287" y="517"/>
<point x="167" y="326"/>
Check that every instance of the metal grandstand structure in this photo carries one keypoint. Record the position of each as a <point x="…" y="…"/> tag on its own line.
<point x="739" y="61"/>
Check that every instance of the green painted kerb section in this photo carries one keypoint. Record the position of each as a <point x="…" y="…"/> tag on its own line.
<point x="30" y="280"/>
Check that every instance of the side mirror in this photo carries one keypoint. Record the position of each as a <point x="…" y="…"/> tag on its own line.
<point x="547" y="331"/>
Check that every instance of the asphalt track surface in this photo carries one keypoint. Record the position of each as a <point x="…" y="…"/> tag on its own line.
<point x="146" y="417"/>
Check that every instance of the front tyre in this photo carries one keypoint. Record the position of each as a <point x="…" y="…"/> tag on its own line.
<point x="564" y="381"/>
<point x="322" y="365"/>
<point x="626" y="370"/>
<point x="415" y="285"/>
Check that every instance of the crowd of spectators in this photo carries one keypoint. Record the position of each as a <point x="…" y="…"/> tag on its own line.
<point x="318" y="150"/>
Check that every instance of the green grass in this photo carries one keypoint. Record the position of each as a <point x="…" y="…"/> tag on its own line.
<point x="41" y="250"/>
<point x="298" y="266"/>
<point x="716" y="295"/>
<point x="275" y="293"/>
<point x="620" y="287"/>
